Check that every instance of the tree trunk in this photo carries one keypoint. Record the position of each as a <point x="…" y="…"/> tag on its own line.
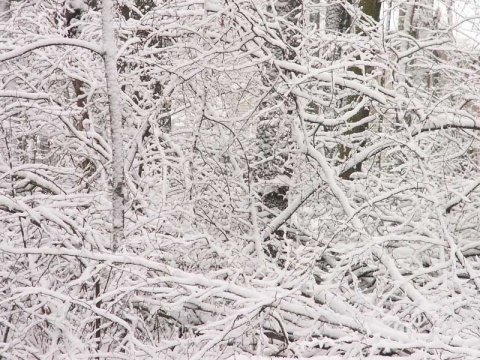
<point x="73" y="14"/>
<point x="273" y="130"/>
<point x="115" y="110"/>
<point x="4" y="7"/>
<point x="339" y="20"/>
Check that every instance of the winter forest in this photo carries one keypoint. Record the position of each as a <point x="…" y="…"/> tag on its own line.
<point x="239" y="179"/>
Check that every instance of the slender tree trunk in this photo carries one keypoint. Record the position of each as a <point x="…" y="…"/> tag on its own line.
<point x="115" y="110"/>
<point x="74" y="14"/>
<point x="418" y="20"/>
<point x="449" y="6"/>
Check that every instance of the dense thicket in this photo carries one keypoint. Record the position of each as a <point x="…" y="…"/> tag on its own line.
<point x="299" y="179"/>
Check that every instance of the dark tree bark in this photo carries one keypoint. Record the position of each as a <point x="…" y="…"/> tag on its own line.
<point x="73" y="14"/>
<point x="338" y="20"/>
<point x="273" y="130"/>
<point x="4" y="7"/>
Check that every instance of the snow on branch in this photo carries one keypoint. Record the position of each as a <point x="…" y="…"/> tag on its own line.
<point x="27" y="48"/>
